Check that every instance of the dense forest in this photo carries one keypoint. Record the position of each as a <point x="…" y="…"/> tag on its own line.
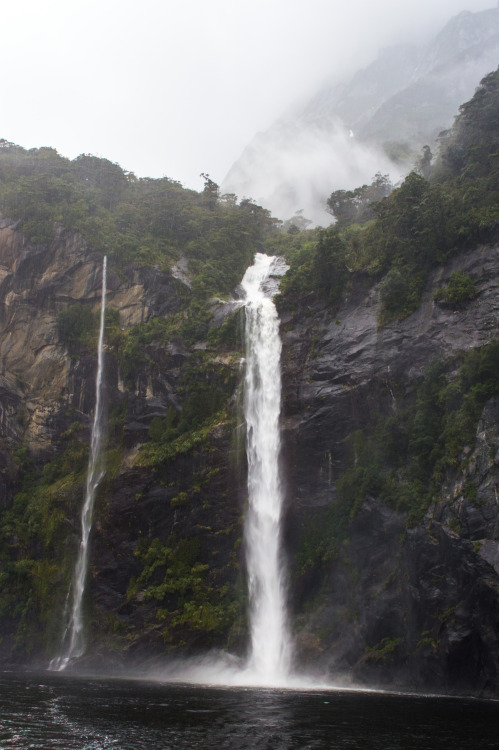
<point x="173" y="456"/>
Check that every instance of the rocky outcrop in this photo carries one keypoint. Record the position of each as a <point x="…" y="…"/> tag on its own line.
<point x="410" y="608"/>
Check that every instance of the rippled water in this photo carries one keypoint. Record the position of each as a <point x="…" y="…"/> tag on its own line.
<point x="55" y="711"/>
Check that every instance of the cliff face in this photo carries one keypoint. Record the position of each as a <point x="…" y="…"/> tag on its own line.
<point x="396" y="600"/>
<point x="181" y="515"/>
<point x="352" y="367"/>
<point x="38" y="282"/>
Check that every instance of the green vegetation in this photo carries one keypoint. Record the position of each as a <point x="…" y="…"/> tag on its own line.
<point x="39" y="535"/>
<point x="470" y="160"/>
<point x="320" y="269"/>
<point x="35" y="554"/>
<point x="183" y="588"/>
<point x="403" y="459"/>
<point x="148" y="221"/>
<point x="207" y="386"/>
<point x="397" y="236"/>
<point x="357" y="206"/>
<point x="383" y="650"/>
<point x="411" y="231"/>
<point x="77" y="326"/>
<point x="447" y="409"/>
<point x="460" y="289"/>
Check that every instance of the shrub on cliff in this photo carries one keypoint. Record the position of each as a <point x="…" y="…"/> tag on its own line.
<point x="460" y="289"/>
<point x="76" y="326"/>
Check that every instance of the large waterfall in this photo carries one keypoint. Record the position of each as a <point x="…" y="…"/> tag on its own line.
<point x="269" y="659"/>
<point x="269" y="656"/>
<point x="73" y="641"/>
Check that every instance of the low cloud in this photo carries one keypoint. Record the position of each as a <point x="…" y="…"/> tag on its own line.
<point x="297" y="168"/>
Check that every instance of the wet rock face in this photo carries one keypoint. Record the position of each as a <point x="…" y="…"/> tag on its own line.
<point x="340" y="369"/>
<point x="418" y="606"/>
<point x="141" y="507"/>
<point x="47" y="393"/>
<point x="405" y="608"/>
<point x="36" y="284"/>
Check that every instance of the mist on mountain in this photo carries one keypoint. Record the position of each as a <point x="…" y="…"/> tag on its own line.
<point x="378" y="120"/>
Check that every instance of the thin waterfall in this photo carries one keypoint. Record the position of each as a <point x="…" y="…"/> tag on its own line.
<point x="269" y="658"/>
<point x="73" y="641"/>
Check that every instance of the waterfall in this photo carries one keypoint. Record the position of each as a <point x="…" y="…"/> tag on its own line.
<point x="73" y="641"/>
<point x="269" y="658"/>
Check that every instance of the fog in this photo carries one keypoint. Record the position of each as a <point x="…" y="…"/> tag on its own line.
<point x="180" y="87"/>
<point x="297" y="175"/>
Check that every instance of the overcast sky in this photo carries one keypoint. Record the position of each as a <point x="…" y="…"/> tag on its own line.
<point x="179" y="87"/>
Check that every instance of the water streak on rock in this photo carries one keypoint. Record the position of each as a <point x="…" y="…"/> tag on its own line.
<point x="73" y="641"/>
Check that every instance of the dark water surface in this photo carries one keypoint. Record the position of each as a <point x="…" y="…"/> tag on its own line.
<point x="54" y="711"/>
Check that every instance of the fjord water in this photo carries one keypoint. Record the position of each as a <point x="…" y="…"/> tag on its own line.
<point x="73" y="640"/>
<point x="63" y="713"/>
<point x="270" y="650"/>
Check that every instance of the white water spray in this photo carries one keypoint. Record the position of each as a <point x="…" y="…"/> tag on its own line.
<point x="73" y="641"/>
<point x="269" y="659"/>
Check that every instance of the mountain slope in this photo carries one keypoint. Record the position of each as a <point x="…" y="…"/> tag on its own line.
<point x="375" y="122"/>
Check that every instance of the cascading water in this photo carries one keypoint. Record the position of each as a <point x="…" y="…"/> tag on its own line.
<point x="73" y="641"/>
<point x="269" y="659"/>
